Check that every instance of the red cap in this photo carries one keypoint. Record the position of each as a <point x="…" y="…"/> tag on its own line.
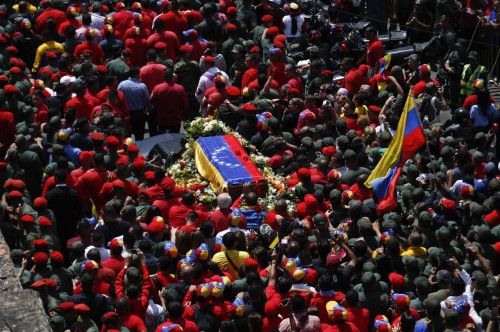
<point x="38" y="284"/>
<point x="333" y="175"/>
<point x="275" y="161"/>
<point x="86" y="156"/>
<point x="231" y="10"/>
<point x="447" y="204"/>
<point x="40" y="258"/>
<point x="9" y="88"/>
<point x="149" y="175"/>
<point x="112" y="140"/>
<point x="44" y="221"/>
<point x="249" y="108"/>
<point x="56" y="256"/>
<point x="293" y="91"/>
<point x="18" y="184"/>
<point x="96" y="136"/>
<point x="255" y="50"/>
<point x="333" y="259"/>
<point x="278" y="43"/>
<point x="118" y="184"/>
<point x="165" y="4"/>
<point x="397" y="281"/>
<point x="301" y="210"/>
<point x="209" y="59"/>
<point x="102" y="69"/>
<point x="167" y="183"/>
<point x="40" y="202"/>
<point x="466" y="191"/>
<point x="157" y="225"/>
<point x="132" y="148"/>
<point x="81" y="308"/>
<point x="251" y="263"/>
<point x="39" y="243"/>
<point x="115" y="244"/>
<point x="304" y="174"/>
<point x="186" y="48"/>
<point x="231" y="27"/>
<point x="272" y="31"/>
<point x="15" y="70"/>
<point x="109" y="315"/>
<point x="311" y="203"/>
<point x="233" y="91"/>
<point x="15" y="194"/>
<point x="424" y="68"/>
<point x="138" y="164"/>
<point x="66" y="306"/>
<point x="328" y="151"/>
<point x="27" y="219"/>
<point x="119" y="5"/>
<point x="267" y="18"/>
<point x="11" y="49"/>
<point x="136" y="6"/>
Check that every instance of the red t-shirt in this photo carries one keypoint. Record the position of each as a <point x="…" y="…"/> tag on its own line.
<point x="170" y="100"/>
<point x="374" y="52"/>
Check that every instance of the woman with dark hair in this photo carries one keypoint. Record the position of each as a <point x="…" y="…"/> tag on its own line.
<point x="482" y="113"/>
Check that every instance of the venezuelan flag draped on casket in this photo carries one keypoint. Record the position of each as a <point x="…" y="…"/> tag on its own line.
<point x="223" y="161"/>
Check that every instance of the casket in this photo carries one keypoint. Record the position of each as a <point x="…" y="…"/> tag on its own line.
<point x="223" y="161"/>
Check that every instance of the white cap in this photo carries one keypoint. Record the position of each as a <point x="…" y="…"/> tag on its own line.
<point x="67" y="79"/>
<point x="342" y="92"/>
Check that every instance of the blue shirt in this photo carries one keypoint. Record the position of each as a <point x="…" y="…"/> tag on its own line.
<point x="252" y="218"/>
<point x="136" y="93"/>
<point x="481" y="119"/>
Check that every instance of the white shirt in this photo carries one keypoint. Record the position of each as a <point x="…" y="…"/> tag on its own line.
<point x="103" y="252"/>
<point x="207" y="81"/>
<point x="287" y="21"/>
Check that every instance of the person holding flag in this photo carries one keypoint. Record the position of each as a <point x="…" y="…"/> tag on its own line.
<point x="408" y="139"/>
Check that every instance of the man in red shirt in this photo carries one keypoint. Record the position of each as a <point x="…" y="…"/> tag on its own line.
<point x="356" y="314"/>
<point x="89" y="184"/>
<point x="251" y="73"/>
<point x="115" y="262"/>
<point x="136" y="44"/>
<point x="220" y="217"/>
<point x="375" y="49"/>
<point x="121" y="19"/>
<point x="424" y="72"/>
<point x="178" y="213"/>
<point x="173" y="20"/>
<point x="71" y="14"/>
<point x="170" y="102"/>
<point x="7" y="123"/>
<point x="352" y="78"/>
<point x="49" y="13"/>
<point x="79" y="103"/>
<point x="152" y="73"/>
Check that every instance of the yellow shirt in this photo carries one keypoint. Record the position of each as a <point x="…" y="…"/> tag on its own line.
<point x="44" y="48"/>
<point x="236" y="256"/>
<point x="31" y="9"/>
<point x="415" y="251"/>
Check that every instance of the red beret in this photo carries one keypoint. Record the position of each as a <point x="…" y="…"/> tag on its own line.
<point x="45" y="70"/>
<point x="165" y="3"/>
<point x="466" y="191"/>
<point x="102" y="69"/>
<point x="231" y="10"/>
<point x="447" y="204"/>
<point x="89" y="266"/>
<point x="397" y="281"/>
<point x="334" y="258"/>
<point x="50" y="282"/>
<point x="40" y="202"/>
<point x="278" y="43"/>
<point x="233" y="91"/>
<point x="327" y="72"/>
<point x="275" y="161"/>
<point x="123" y="160"/>
<point x="167" y="183"/>
<point x="311" y="203"/>
<point x="255" y="50"/>
<point x="15" y="194"/>
<point x="71" y="10"/>
<point x="18" y="184"/>
<point x="328" y="151"/>
<point x="267" y="18"/>
<point x="66" y="306"/>
<point x="39" y="243"/>
<point x="8" y="183"/>
<point x="109" y="315"/>
<point x="96" y="136"/>
<point x="333" y="175"/>
<point x="132" y="148"/>
<point x="304" y="173"/>
<point x="209" y="59"/>
<point x="156" y="225"/>
<point x="44" y="221"/>
<point x="149" y="175"/>
<point x="56" y="256"/>
<point x="272" y="31"/>
<point x="11" y="49"/>
<point x="112" y="140"/>
<point x="424" y="68"/>
<point x="138" y="164"/>
<point x="251" y="263"/>
<point x="40" y="258"/>
<point x="293" y="91"/>
<point x="247" y="107"/>
<point x="231" y="27"/>
<point x="160" y="45"/>
<point x="82" y="308"/>
<point x="301" y="210"/>
<point x="375" y="109"/>
<point x="4" y="78"/>
<point x="38" y="284"/>
<point x="86" y="156"/>
<point x="3" y="164"/>
<point x="27" y="218"/>
<point x="186" y="48"/>
<point x="9" y="88"/>
<point x="115" y="244"/>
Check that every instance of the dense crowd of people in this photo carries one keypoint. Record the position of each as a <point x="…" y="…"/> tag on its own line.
<point x="111" y="243"/>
